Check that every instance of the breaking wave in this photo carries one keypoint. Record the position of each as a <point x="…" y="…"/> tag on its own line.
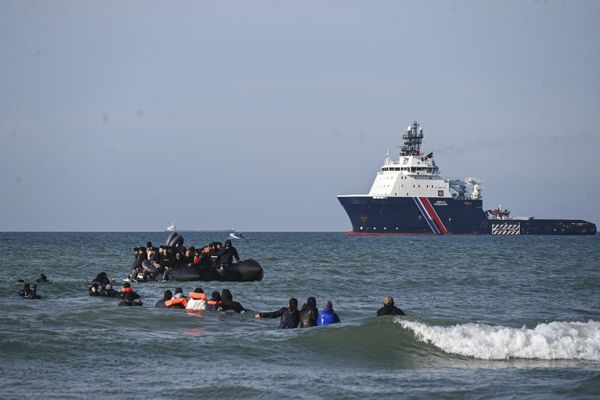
<point x="547" y="341"/>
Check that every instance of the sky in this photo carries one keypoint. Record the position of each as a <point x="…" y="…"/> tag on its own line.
<point x="255" y="115"/>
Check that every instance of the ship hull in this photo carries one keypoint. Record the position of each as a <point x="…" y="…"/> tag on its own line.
<point x="433" y="215"/>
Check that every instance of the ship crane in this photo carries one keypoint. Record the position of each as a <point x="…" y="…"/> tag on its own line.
<point x="467" y="188"/>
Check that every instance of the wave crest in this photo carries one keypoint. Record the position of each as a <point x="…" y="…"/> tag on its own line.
<point x="547" y="341"/>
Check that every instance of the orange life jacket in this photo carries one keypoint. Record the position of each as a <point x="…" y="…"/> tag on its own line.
<point x="174" y="301"/>
<point x="126" y="290"/>
<point x="212" y="302"/>
<point x="198" y="296"/>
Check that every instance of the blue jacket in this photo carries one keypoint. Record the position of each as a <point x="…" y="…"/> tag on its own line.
<point x="327" y="316"/>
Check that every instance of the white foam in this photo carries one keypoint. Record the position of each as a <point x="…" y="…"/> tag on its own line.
<point x="551" y="341"/>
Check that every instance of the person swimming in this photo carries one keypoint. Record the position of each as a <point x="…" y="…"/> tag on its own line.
<point x="327" y="316"/>
<point x="33" y="295"/>
<point x="389" y="308"/>
<point x="309" y="313"/>
<point x="197" y="301"/>
<point x="229" y="304"/>
<point x="215" y="303"/>
<point x="290" y="316"/>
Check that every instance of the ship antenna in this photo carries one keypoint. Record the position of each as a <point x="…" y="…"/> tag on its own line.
<point x="412" y="140"/>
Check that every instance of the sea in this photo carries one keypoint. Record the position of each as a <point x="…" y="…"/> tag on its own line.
<point x="488" y="317"/>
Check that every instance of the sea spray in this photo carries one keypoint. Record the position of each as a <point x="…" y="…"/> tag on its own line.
<point x="547" y="341"/>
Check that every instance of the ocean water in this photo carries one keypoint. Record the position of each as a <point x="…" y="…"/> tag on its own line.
<point x="488" y="317"/>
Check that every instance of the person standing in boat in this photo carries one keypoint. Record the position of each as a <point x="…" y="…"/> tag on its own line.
<point x="226" y="256"/>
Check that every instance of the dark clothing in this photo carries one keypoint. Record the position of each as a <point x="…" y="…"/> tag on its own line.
<point x="161" y="303"/>
<point x="289" y="319"/>
<point x="214" y="258"/>
<point x="390" y="310"/>
<point x="227" y="255"/>
<point x="165" y="261"/>
<point x="101" y="279"/>
<point x="109" y="293"/>
<point x="308" y="316"/>
<point x="230" y="305"/>
<point x="214" y="306"/>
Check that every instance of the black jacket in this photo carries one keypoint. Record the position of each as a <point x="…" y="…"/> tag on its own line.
<point x="390" y="310"/>
<point x="227" y="255"/>
<point x="289" y="319"/>
<point x="230" y="305"/>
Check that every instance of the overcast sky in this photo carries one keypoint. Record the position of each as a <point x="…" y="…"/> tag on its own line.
<point x="254" y="115"/>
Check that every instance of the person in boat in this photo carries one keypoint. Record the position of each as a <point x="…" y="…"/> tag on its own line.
<point x="327" y="316"/>
<point x="180" y="260"/>
<point x="197" y="301"/>
<point x="226" y="256"/>
<point x="33" y="295"/>
<point x="309" y="313"/>
<point x="228" y="303"/>
<point x="108" y="291"/>
<point x="290" y="316"/>
<point x="214" y="255"/>
<point x="215" y="303"/>
<point x="168" y="295"/>
<point x="25" y="291"/>
<point x="94" y="290"/>
<point x="389" y="308"/>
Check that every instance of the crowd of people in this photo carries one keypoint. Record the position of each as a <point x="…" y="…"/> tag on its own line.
<point x="151" y="263"/>
<point x="290" y="316"/>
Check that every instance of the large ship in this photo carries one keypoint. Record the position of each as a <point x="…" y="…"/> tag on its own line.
<point x="409" y="196"/>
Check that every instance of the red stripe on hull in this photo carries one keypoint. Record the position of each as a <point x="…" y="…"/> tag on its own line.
<point x="434" y="215"/>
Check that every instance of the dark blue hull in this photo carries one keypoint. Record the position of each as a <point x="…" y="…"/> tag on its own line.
<point x="423" y="215"/>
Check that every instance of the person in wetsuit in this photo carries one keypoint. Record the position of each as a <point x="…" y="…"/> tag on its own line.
<point x="226" y="256"/>
<point x="290" y="316"/>
<point x="32" y="295"/>
<point x="309" y="313"/>
<point x="327" y="316"/>
<point x="228" y="303"/>
<point x="94" y="290"/>
<point x="389" y="308"/>
<point x="25" y="291"/>
<point x="42" y="279"/>
<point x="101" y="279"/>
<point x="108" y="291"/>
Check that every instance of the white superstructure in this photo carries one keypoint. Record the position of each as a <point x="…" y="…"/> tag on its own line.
<point x="410" y="176"/>
<point x="417" y="175"/>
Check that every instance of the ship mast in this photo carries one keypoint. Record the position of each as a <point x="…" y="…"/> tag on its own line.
<point x="412" y="140"/>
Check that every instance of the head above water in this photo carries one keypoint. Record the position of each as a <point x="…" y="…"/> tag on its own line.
<point x="311" y="301"/>
<point x="215" y="296"/>
<point x="198" y="290"/>
<point x="388" y="301"/>
<point x="167" y="295"/>
<point x="328" y="304"/>
<point x="226" y="295"/>
<point x="293" y="304"/>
